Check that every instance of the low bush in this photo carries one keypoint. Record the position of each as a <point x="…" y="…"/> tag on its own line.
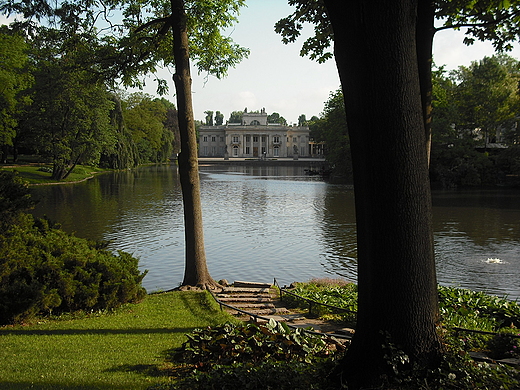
<point x="275" y="341"/>
<point x="44" y="270"/>
<point x="250" y="356"/>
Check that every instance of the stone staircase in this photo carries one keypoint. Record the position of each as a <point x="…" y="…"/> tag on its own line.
<point x="251" y="297"/>
<point x="259" y="302"/>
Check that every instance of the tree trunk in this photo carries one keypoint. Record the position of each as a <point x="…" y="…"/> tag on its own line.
<point x="196" y="272"/>
<point x="424" y="34"/>
<point x="375" y="51"/>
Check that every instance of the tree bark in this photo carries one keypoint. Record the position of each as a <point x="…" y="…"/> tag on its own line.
<point x="196" y="272"/>
<point x="376" y="56"/>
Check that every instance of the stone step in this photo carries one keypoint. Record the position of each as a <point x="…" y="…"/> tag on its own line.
<point x="262" y="312"/>
<point x="252" y="305"/>
<point x="250" y="296"/>
<point x="244" y="299"/>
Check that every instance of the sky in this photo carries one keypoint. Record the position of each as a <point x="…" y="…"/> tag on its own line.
<point x="276" y="78"/>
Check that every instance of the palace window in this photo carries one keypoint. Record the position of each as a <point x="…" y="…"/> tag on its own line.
<point x="276" y="151"/>
<point x="248" y="138"/>
<point x="235" y="151"/>
<point x="255" y="138"/>
<point x="276" y="139"/>
<point x="205" y="138"/>
<point x="247" y="150"/>
<point x="235" y="139"/>
<point x="213" y="139"/>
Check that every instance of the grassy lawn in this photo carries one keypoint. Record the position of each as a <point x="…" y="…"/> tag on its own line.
<point x="34" y="175"/>
<point x="122" y="350"/>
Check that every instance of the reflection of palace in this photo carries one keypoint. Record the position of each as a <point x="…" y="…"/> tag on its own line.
<point x="254" y="137"/>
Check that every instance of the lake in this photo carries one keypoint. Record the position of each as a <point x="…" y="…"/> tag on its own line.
<point x="265" y="222"/>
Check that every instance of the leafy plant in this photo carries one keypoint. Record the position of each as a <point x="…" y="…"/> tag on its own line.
<point x="503" y="345"/>
<point x="333" y="292"/>
<point x="231" y="344"/>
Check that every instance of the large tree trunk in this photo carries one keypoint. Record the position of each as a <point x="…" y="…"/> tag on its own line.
<point x="375" y="51"/>
<point x="196" y="271"/>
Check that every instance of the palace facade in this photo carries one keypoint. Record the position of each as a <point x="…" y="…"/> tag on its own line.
<point x="254" y="138"/>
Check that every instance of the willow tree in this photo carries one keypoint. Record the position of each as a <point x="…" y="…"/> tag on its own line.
<point x="130" y="39"/>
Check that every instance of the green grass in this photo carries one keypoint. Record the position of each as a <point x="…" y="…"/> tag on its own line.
<point x="122" y="350"/>
<point x="34" y="175"/>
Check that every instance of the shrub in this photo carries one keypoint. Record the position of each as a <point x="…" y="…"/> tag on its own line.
<point x="44" y="270"/>
<point x="14" y="199"/>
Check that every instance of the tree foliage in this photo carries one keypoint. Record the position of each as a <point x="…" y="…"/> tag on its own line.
<point x="484" y="20"/>
<point x="331" y="128"/>
<point x="219" y="118"/>
<point x="475" y="108"/>
<point x="14" y="79"/>
<point x="276" y="118"/>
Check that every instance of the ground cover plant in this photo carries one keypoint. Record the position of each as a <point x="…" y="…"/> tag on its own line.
<point x="252" y="356"/>
<point x="120" y="349"/>
<point x="457" y="369"/>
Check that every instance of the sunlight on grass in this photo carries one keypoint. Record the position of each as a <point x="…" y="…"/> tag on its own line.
<point x="124" y="350"/>
<point x="34" y="175"/>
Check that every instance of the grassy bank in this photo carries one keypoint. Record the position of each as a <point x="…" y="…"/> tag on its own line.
<point x="122" y="350"/>
<point x="38" y="174"/>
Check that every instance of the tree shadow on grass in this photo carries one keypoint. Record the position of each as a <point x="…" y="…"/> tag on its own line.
<point x="58" y="332"/>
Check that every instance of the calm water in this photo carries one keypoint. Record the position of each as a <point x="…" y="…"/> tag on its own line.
<point x="267" y="222"/>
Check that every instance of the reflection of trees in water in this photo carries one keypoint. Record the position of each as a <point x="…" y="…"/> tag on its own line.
<point x="338" y="231"/>
<point x="90" y="209"/>
<point x="482" y="216"/>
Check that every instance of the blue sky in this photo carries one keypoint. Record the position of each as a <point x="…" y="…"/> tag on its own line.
<point x="276" y="78"/>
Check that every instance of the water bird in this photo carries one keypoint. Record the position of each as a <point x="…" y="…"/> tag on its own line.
<point x="494" y="261"/>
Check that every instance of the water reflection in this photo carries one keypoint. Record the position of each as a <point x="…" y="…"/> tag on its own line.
<point x="262" y="222"/>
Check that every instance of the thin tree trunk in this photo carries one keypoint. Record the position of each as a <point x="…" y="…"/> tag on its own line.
<point x="196" y="272"/>
<point x="425" y="32"/>
<point x="375" y="51"/>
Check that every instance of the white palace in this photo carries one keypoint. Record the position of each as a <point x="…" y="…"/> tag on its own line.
<point x="254" y="137"/>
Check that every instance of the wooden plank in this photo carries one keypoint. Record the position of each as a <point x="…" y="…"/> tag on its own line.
<point x="251" y="284"/>
<point x="244" y="290"/>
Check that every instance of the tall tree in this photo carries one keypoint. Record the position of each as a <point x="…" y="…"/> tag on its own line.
<point x="235" y="117"/>
<point x="496" y="21"/>
<point x="302" y="120"/>
<point x="14" y="78"/>
<point x="219" y="118"/>
<point x="276" y="118"/>
<point x="384" y="55"/>
<point x="376" y="54"/>
<point x="209" y="118"/>
<point x="154" y="33"/>
<point x="487" y="97"/>
<point x="332" y="129"/>
<point x="69" y="116"/>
